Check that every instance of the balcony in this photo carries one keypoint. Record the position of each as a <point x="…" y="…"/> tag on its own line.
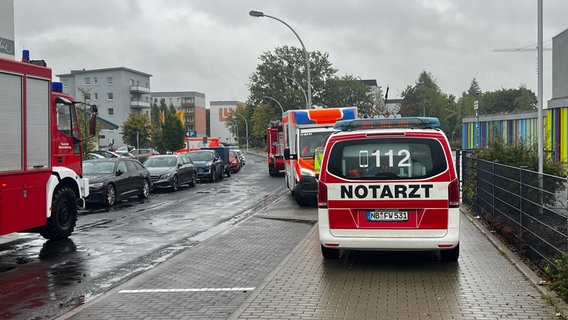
<point x="139" y="104"/>
<point x="139" y="89"/>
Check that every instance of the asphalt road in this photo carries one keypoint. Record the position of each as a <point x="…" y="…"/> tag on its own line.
<point x="40" y="279"/>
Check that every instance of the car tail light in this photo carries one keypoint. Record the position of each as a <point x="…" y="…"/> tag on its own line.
<point x="454" y="194"/>
<point x="322" y="195"/>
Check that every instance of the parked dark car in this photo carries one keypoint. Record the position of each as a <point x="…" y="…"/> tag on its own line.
<point x="95" y="154"/>
<point x="114" y="179"/>
<point x="143" y="154"/>
<point x="171" y="171"/>
<point x="209" y="164"/>
<point x="234" y="161"/>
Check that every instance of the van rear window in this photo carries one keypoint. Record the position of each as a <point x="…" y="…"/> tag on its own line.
<point x="387" y="159"/>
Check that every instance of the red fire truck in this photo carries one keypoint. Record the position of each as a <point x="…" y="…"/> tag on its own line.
<point x="41" y="183"/>
<point x="275" y="146"/>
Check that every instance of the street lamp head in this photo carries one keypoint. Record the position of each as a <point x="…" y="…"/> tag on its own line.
<point x="254" y="13"/>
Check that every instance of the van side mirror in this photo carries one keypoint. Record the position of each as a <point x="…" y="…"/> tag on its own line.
<point x="287" y="153"/>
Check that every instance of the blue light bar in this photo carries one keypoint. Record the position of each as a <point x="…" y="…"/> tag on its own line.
<point x="57" y="87"/>
<point x="388" y="123"/>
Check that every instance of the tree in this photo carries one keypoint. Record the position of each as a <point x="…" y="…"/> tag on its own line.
<point x="173" y="133"/>
<point x="282" y="76"/>
<point x="423" y="99"/>
<point x="90" y="143"/>
<point x="426" y="99"/>
<point x="262" y="116"/>
<point x="474" y="89"/>
<point x="348" y="91"/>
<point x="507" y="101"/>
<point x="136" y="130"/>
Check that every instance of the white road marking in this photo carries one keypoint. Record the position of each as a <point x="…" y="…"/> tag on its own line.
<point x="186" y="290"/>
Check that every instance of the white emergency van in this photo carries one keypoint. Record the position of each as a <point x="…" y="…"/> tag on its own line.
<point x="389" y="184"/>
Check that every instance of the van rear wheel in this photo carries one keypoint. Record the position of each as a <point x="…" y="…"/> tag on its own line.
<point x="450" y="255"/>
<point x="329" y="253"/>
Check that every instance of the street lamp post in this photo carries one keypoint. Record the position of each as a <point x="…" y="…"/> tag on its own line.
<point x="299" y="86"/>
<point x="247" y="130"/>
<point x="267" y="97"/>
<point x="257" y="14"/>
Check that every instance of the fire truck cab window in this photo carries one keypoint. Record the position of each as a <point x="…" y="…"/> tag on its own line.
<point x="64" y="118"/>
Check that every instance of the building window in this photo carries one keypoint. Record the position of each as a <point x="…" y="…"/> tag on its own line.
<point x="96" y="95"/>
<point x="110" y="96"/>
<point x="65" y="82"/>
<point x="87" y="80"/>
<point x="131" y="82"/>
<point x="111" y="111"/>
<point x="109" y="80"/>
<point x="95" y="80"/>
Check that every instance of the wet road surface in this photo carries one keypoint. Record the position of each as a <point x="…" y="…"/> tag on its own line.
<point x="40" y="278"/>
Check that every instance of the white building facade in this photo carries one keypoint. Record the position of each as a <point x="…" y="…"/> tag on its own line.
<point x="116" y="91"/>
<point x="220" y="112"/>
<point x="7" y="47"/>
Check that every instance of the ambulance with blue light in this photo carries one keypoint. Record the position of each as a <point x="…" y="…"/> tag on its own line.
<point x="389" y="184"/>
<point x="304" y="131"/>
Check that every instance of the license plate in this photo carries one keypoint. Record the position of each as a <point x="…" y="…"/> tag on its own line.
<point x="387" y="215"/>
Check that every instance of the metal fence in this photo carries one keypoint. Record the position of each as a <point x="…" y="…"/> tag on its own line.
<point x="526" y="209"/>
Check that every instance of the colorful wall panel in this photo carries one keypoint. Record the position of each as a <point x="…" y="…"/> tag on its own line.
<point x="520" y="128"/>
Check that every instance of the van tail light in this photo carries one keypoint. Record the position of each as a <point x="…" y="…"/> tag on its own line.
<point x="322" y="195"/>
<point x="454" y="194"/>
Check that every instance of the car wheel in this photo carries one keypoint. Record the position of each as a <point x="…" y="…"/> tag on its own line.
<point x="145" y="190"/>
<point x="175" y="184"/>
<point x="193" y="181"/>
<point x="110" y="198"/>
<point x="213" y="176"/>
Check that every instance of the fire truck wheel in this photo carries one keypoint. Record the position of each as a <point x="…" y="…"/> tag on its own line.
<point x="63" y="215"/>
<point x="145" y="190"/>
<point x="175" y="184"/>
<point x="110" y="198"/>
<point x="329" y="253"/>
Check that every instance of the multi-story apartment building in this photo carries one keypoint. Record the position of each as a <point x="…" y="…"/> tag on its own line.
<point x="559" y="71"/>
<point x="220" y="112"/>
<point x="7" y="29"/>
<point x="192" y="104"/>
<point x="116" y="91"/>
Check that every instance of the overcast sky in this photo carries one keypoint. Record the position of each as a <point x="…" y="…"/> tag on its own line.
<point x="214" y="46"/>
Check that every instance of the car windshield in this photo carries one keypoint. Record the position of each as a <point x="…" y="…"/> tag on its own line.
<point x="98" y="167"/>
<point x="160" y="162"/>
<point x="201" y="156"/>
